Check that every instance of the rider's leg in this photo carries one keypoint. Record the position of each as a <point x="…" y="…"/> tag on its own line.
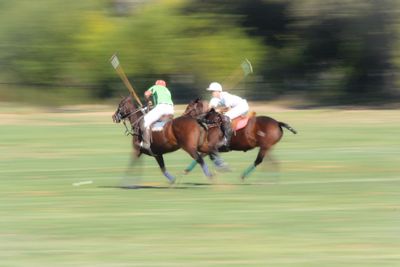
<point x="145" y="135"/>
<point x="150" y="118"/>
<point x="237" y="111"/>
<point x="227" y="130"/>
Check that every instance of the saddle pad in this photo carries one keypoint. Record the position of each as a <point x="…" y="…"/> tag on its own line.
<point x="158" y="126"/>
<point x="240" y="123"/>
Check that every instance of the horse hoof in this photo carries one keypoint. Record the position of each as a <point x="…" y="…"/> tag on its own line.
<point x="185" y="172"/>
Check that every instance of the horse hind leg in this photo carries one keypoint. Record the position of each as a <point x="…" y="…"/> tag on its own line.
<point x="160" y="161"/>
<point x="252" y="167"/>
<point x="268" y="135"/>
<point x="190" y="144"/>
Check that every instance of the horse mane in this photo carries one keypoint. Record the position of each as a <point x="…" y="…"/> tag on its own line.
<point x="129" y="98"/>
<point x="213" y="116"/>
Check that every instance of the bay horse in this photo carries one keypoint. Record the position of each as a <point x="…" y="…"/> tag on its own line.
<point x="181" y="132"/>
<point x="261" y="131"/>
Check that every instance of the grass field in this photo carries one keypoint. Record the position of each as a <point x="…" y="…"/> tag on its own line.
<point x="334" y="199"/>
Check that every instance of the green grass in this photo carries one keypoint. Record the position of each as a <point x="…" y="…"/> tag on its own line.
<point x="335" y="200"/>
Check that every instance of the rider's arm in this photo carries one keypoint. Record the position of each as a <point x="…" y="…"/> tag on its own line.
<point x="148" y="94"/>
<point x="222" y="109"/>
<point x="214" y="102"/>
<point x="217" y="105"/>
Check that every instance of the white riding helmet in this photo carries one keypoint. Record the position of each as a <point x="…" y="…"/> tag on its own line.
<point x="214" y="86"/>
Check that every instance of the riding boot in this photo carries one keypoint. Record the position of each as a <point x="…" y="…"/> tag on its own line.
<point x="227" y="130"/>
<point x="145" y="136"/>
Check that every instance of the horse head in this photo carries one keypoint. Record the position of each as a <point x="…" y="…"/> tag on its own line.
<point x="125" y="109"/>
<point x="196" y="108"/>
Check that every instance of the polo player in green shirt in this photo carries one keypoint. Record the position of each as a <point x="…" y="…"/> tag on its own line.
<point x="163" y="105"/>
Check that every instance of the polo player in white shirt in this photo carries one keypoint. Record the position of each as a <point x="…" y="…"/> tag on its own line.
<point x="237" y="107"/>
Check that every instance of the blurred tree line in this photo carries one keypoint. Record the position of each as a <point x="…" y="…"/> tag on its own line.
<point x="333" y="51"/>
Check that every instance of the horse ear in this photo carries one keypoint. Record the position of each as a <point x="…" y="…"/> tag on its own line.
<point x="197" y="100"/>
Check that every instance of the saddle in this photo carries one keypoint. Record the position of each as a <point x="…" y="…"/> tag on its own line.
<point x="241" y="121"/>
<point x="158" y="126"/>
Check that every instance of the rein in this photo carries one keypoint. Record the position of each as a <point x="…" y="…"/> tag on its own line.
<point x="131" y="132"/>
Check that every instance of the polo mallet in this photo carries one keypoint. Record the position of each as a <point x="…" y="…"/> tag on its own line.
<point x="125" y="183"/>
<point x="118" y="68"/>
<point x="238" y="74"/>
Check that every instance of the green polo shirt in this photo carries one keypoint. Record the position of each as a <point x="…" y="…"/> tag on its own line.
<point x="161" y="95"/>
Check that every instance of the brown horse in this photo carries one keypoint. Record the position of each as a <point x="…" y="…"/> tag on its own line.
<point x="182" y="132"/>
<point x="261" y="131"/>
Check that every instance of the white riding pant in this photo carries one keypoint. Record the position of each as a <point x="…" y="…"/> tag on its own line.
<point x="156" y="113"/>
<point x="240" y="109"/>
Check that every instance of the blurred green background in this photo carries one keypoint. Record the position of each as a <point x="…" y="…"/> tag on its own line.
<point x="55" y="52"/>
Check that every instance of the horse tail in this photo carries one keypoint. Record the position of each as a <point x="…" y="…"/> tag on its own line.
<point x="287" y="126"/>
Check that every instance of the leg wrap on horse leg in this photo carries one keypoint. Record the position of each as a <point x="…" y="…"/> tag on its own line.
<point x="204" y="166"/>
<point x="170" y="178"/>
<point x="249" y="170"/>
<point x="219" y="162"/>
<point x="191" y="166"/>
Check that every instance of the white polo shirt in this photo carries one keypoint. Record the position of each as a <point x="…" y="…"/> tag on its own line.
<point x="227" y="100"/>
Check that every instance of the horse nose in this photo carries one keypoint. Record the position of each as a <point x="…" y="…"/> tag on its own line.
<point x="116" y="118"/>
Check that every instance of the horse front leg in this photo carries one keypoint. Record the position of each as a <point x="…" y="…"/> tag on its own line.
<point x="160" y="161"/>
<point x="203" y="165"/>
<point x="219" y="163"/>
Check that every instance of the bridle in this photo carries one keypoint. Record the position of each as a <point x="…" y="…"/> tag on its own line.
<point x="133" y="124"/>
